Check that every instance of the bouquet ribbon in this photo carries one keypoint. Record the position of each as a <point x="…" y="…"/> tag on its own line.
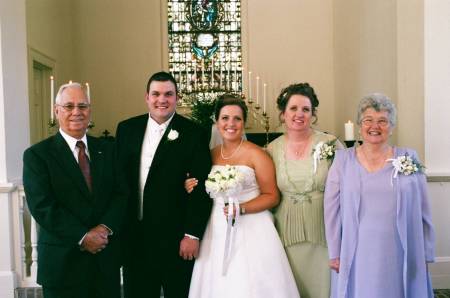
<point x="231" y="232"/>
<point x="316" y="159"/>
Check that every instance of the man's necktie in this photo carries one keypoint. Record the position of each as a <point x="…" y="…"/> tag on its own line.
<point x="83" y="162"/>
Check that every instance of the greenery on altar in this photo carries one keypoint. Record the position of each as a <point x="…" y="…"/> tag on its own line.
<point x="202" y="109"/>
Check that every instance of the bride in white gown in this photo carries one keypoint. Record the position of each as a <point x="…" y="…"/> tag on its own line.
<point x="245" y="259"/>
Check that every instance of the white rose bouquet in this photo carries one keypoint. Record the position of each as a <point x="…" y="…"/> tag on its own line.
<point x="226" y="180"/>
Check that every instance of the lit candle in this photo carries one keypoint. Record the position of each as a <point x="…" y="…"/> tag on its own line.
<point x="203" y="72"/>
<point x="180" y="80"/>
<point x="229" y="69"/>
<point x="349" y="131"/>
<point x="235" y="86"/>
<point x="249" y="85"/>
<point x="52" y="96"/>
<point x="257" y="90"/>
<point x="212" y="72"/>
<point x="188" y="79"/>
<point x="242" y="81"/>
<point x="195" y="75"/>
<point x="220" y="75"/>
<point x="88" y="92"/>
<point x="70" y="82"/>
<point x="264" y="97"/>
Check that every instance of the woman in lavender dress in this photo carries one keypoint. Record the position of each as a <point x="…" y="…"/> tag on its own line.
<point x="377" y="215"/>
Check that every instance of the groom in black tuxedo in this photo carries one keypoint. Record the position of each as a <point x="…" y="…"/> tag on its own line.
<point x="165" y="224"/>
<point x="78" y="201"/>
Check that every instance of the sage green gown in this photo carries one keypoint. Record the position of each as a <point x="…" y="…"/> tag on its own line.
<point x="299" y="217"/>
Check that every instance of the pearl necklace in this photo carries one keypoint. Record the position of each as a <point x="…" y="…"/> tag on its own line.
<point x="232" y="154"/>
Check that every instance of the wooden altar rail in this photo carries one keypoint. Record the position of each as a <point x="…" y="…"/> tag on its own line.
<point x="25" y="241"/>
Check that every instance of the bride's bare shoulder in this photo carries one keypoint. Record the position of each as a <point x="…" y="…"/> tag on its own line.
<point x="254" y="151"/>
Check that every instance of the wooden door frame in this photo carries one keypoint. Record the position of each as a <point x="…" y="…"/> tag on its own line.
<point x="46" y="61"/>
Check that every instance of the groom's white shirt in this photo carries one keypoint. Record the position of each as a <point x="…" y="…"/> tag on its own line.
<point x="152" y="137"/>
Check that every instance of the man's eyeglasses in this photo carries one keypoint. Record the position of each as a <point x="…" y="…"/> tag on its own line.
<point x="70" y="107"/>
<point x="380" y="122"/>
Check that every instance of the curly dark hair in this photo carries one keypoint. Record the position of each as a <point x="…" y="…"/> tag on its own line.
<point x="229" y="100"/>
<point x="298" y="89"/>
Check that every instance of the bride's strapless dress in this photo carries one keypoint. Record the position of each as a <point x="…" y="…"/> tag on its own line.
<point x="258" y="266"/>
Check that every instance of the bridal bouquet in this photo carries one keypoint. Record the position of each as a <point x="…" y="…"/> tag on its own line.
<point x="226" y="180"/>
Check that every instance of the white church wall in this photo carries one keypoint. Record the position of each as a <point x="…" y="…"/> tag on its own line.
<point x="13" y="90"/>
<point x="120" y="46"/>
<point x="291" y="42"/>
<point x="14" y="136"/>
<point x="437" y="87"/>
<point x="51" y="32"/>
<point x="409" y="74"/>
<point x="437" y="127"/>
<point x="440" y="207"/>
<point x="364" y="54"/>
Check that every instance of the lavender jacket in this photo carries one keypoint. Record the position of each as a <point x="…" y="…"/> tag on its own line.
<point x="341" y="203"/>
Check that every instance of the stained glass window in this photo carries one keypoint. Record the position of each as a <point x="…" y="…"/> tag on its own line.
<point x="205" y="46"/>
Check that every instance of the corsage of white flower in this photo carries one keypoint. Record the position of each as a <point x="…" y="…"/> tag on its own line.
<point x="405" y="165"/>
<point x="323" y="151"/>
<point x="173" y="135"/>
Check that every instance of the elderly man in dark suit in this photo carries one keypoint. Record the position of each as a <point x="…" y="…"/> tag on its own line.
<point x="164" y="223"/>
<point x="77" y="198"/>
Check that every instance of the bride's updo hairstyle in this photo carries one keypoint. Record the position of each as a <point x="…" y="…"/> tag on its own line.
<point x="229" y="100"/>
<point x="298" y="89"/>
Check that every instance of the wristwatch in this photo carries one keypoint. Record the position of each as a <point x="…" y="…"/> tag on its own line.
<point x="241" y="210"/>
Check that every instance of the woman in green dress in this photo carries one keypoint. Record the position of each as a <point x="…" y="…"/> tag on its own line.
<point x="302" y="156"/>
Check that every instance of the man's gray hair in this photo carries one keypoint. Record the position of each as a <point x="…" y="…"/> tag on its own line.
<point x="378" y="102"/>
<point x="70" y="85"/>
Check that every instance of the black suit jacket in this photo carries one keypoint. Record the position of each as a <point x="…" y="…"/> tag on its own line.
<point x="65" y="209"/>
<point x="169" y="212"/>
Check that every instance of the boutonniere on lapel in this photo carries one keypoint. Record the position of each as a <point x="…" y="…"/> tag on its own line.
<point x="405" y="165"/>
<point x="173" y="135"/>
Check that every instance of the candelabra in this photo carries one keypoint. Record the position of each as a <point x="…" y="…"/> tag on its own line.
<point x="258" y="117"/>
<point x="266" y="125"/>
<point x="52" y="126"/>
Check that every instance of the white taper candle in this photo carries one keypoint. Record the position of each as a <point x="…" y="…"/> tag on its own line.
<point x="257" y="90"/>
<point x="52" y="97"/>
<point x="264" y="97"/>
<point x="88" y="92"/>
<point x="249" y="85"/>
